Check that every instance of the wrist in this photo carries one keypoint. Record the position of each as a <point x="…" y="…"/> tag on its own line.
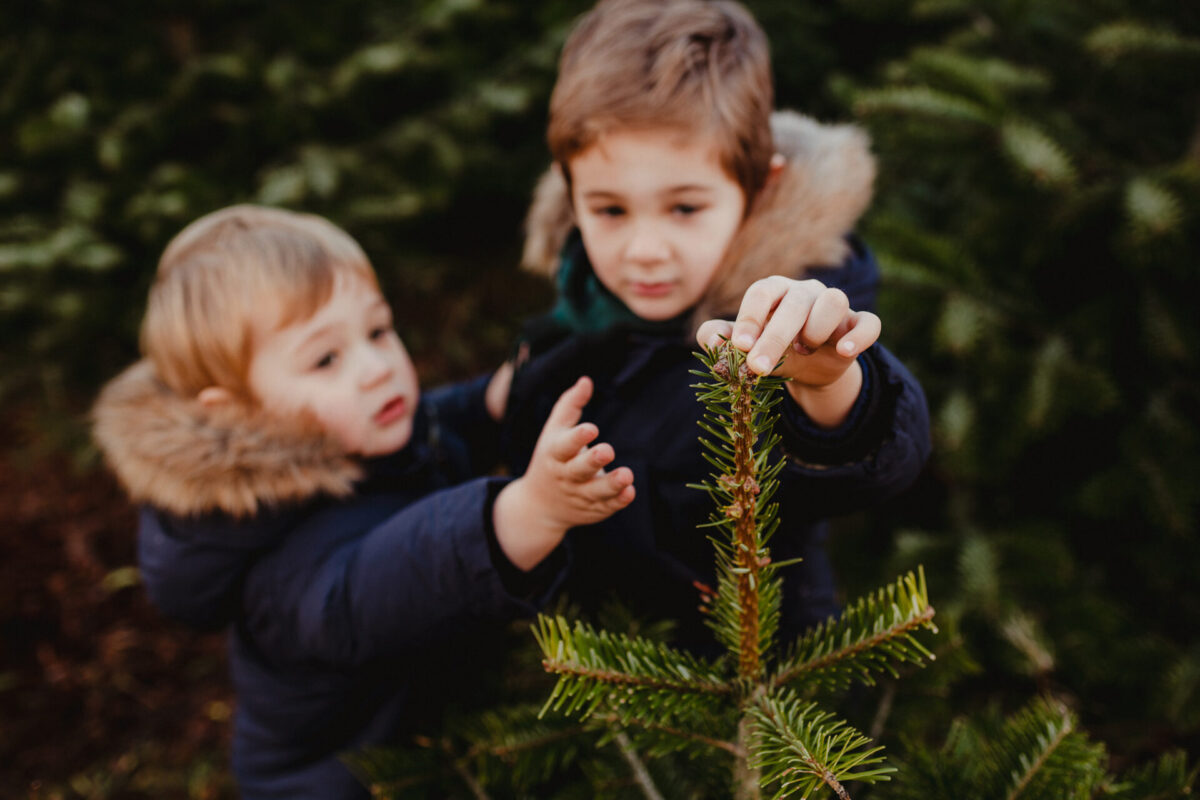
<point x="828" y="405"/>
<point x="524" y="532"/>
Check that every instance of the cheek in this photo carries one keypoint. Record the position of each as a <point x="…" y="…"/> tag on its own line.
<point x="342" y="425"/>
<point x="602" y="248"/>
<point x="717" y="243"/>
<point x="406" y="369"/>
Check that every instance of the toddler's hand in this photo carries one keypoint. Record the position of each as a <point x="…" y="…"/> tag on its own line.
<point x="564" y="486"/>
<point x="567" y="476"/>
<point x="812" y="328"/>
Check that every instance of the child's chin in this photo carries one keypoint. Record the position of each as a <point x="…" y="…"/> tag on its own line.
<point x="395" y="438"/>
<point x="652" y="311"/>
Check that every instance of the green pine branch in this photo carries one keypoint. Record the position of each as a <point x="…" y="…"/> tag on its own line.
<point x="1037" y="154"/>
<point x="744" y="612"/>
<point x="1167" y="778"/>
<point x="1120" y="39"/>
<point x="656" y="738"/>
<point x="1151" y="208"/>
<point x="986" y="79"/>
<point x="627" y="675"/>
<point x="504" y="747"/>
<point x="922" y="101"/>
<point x="516" y="746"/>
<point x="872" y="636"/>
<point x="1041" y="754"/>
<point x="801" y="749"/>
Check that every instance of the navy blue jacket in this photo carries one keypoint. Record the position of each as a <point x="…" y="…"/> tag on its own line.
<point x="349" y="616"/>
<point x="650" y="555"/>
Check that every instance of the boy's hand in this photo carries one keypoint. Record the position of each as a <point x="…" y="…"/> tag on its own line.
<point x="564" y="486"/>
<point x="813" y="329"/>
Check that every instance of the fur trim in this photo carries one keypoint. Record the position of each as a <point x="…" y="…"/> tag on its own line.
<point x="185" y="458"/>
<point x="798" y="221"/>
<point x="548" y="224"/>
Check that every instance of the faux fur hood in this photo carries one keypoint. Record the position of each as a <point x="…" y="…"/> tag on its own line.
<point x="799" y="220"/>
<point x="175" y="454"/>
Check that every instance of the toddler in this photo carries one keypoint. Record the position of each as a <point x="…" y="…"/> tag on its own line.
<point x="296" y="487"/>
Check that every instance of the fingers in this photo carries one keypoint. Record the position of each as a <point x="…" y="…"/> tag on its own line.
<point x="566" y="445"/>
<point x="592" y="483"/>
<point x="610" y="490"/>
<point x="757" y="304"/>
<point x="828" y="310"/>
<point x="787" y="322"/>
<point x="779" y="315"/>
<point x="860" y="331"/>
<point x="709" y="334"/>
<point x="588" y="461"/>
<point x="569" y="407"/>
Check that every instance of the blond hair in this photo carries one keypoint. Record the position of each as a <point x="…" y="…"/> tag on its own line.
<point x="230" y="272"/>
<point x="700" y="66"/>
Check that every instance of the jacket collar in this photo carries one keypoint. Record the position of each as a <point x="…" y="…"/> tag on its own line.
<point x="799" y="220"/>
<point x="175" y="454"/>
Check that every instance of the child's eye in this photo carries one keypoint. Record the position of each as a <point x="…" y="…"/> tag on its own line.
<point x="685" y="209"/>
<point x="379" y="333"/>
<point x="608" y="211"/>
<point x="326" y="361"/>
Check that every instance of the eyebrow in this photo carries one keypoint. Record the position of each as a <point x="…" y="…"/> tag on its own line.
<point x="316" y="335"/>
<point x="596" y="194"/>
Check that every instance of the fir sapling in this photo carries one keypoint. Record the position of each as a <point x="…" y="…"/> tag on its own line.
<point x="754" y="703"/>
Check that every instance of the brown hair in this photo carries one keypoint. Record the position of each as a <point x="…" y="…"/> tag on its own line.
<point x="702" y="66"/>
<point x="225" y="272"/>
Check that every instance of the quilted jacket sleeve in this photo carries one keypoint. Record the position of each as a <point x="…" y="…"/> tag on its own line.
<point x="885" y="442"/>
<point x="418" y="575"/>
<point x="465" y="430"/>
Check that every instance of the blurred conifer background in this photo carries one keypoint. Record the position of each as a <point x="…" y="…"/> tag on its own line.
<point x="1036" y="219"/>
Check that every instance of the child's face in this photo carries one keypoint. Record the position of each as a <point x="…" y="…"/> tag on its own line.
<point x="345" y="365"/>
<point x="657" y="212"/>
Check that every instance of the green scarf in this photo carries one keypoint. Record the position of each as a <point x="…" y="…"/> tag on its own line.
<point x="584" y="305"/>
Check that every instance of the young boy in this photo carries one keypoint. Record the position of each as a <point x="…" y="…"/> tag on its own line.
<point x="678" y="202"/>
<point x="273" y="434"/>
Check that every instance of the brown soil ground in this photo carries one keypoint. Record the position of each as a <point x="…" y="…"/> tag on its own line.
<point x="100" y="696"/>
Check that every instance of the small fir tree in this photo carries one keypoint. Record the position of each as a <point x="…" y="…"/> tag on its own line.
<point x="754" y="703"/>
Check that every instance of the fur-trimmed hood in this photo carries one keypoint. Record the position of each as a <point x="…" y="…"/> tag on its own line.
<point x="799" y="220"/>
<point x="185" y="458"/>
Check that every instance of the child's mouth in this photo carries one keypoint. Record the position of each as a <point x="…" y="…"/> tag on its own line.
<point x="657" y="289"/>
<point x="392" y="410"/>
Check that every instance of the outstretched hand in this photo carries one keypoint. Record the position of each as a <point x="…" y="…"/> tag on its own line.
<point x="568" y="474"/>
<point x="565" y="484"/>
<point x="811" y="328"/>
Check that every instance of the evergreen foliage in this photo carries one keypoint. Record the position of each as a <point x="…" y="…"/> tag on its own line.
<point x="780" y="742"/>
<point x="415" y="125"/>
<point x="1038" y="224"/>
<point x="1037" y="753"/>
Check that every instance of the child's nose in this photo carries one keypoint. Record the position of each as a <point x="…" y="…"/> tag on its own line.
<point x="376" y="368"/>
<point x="647" y="245"/>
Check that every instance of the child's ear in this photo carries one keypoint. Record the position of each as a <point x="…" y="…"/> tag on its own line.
<point x="214" y="396"/>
